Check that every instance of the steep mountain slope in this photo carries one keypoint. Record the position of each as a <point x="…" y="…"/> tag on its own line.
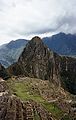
<point x="3" y="73"/>
<point x="9" y="53"/>
<point x="39" y="62"/>
<point x="64" y="44"/>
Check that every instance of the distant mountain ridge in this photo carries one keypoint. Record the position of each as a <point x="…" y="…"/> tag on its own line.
<point x="9" y="53"/>
<point x="61" y="43"/>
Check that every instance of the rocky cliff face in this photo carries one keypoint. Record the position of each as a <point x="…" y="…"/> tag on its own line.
<point x="35" y="61"/>
<point x="38" y="61"/>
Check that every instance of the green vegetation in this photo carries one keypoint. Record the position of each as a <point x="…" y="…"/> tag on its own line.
<point x="25" y="91"/>
<point x="28" y="90"/>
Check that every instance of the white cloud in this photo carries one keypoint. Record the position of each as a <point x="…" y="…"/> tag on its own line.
<point x="23" y="18"/>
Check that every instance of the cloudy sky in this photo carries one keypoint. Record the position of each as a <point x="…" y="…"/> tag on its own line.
<point x="26" y="18"/>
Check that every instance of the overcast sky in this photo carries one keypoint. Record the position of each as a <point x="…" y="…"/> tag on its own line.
<point x="26" y="18"/>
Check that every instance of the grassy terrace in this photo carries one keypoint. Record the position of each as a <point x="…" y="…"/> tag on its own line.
<point x="29" y="89"/>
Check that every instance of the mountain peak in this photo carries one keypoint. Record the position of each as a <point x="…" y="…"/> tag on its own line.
<point x="36" y="39"/>
<point x="62" y="33"/>
<point x="34" y="60"/>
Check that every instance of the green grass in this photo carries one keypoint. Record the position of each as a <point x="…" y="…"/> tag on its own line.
<point x="27" y="90"/>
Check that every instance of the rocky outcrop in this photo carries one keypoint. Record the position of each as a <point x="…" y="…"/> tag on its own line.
<point x="38" y="61"/>
<point x="35" y="61"/>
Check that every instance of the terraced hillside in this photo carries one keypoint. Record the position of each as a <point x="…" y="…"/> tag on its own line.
<point x="12" y="108"/>
<point x="33" y="99"/>
<point x="56" y="102"/>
